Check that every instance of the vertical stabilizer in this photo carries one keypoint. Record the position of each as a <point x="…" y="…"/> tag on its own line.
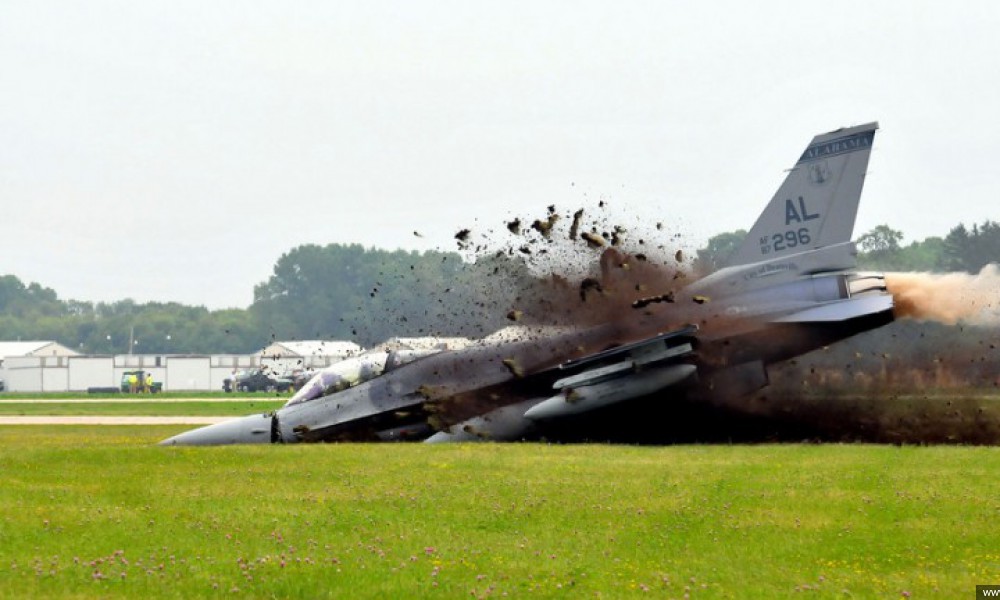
<point x="818" y="202"/>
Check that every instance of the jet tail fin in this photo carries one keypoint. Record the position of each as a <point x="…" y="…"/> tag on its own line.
<point x="818" y="201"/>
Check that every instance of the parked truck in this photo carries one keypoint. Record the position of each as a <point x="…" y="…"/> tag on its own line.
<point x="140" y="383"/>
<point x="256" y="380"/>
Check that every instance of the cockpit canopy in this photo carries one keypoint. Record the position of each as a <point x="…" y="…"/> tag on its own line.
<point x="352" y="371"/>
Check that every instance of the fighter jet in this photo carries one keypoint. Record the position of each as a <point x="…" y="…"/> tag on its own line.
<point x="792" y="286"/>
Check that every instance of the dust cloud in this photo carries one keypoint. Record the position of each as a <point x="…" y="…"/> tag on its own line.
<point x="948" y="298"/>
<point x="927" y="378"/>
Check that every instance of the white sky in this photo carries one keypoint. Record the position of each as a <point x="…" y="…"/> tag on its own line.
<point x="174" y="150"/>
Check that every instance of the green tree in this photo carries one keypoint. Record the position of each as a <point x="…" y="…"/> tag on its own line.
<point x="880" y="250"/>
<point x="716" y="254"/>
<point x="28" y="301"/>
<point x="881" y="240"/>
<point x="350" y="292"/>
<point x="970" y="251"/>
<point x="926" y="255"/>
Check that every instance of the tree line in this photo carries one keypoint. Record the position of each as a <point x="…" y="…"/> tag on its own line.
<point x="33" y="312"/>
<point x="315" y="292"/>
<point x="368" y="295"/>
<point x="881" y="249"/>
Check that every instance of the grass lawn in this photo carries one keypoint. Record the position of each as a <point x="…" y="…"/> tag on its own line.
<point x="102" y="512"/>
<point x="148" y="408"/>
<point x="220" y="395"/>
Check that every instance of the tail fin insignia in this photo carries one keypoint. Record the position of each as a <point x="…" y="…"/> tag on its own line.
<point x="817" y="204"/>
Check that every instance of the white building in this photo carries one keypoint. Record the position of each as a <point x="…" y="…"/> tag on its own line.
<point x="45" y="366"/>
<point x="51" y="353"/>
<point x="38" y="348"/>
<point x="80" y="373"/>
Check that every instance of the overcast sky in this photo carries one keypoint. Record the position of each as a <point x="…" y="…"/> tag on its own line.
<point x="174" y="150"/>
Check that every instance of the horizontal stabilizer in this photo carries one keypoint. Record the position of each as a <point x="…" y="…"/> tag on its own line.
<point x="841" y="310"/>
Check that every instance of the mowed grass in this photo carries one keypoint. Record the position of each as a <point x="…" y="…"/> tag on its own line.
<point x="138" y="396"/>
<point x="102" y="512"/>
<point x="149" y="408"/>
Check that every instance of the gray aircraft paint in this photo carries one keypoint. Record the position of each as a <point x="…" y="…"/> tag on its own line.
<point x="818" y="201"/>
<point x="792" y="288"/>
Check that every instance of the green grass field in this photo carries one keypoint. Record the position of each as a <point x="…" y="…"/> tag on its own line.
<point x="138" y="408"/>
<point x="102" y="512"/>
<point x="217" y="395"/>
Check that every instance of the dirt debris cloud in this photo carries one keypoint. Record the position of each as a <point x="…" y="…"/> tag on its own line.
<point x="581" y="271"/>
<point x="948" y="298"/>
<point x="578" y="269"/>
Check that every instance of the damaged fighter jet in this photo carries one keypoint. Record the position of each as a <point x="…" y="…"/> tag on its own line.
<point x="791" y="287"/>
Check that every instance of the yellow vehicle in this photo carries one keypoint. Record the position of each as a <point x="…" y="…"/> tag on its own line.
<point x="140" y="383"/>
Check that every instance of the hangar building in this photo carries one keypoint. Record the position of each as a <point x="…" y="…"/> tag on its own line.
<point x="51" y="367"/>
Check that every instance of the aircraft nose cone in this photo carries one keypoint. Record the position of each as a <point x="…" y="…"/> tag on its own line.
<point x="254" y="429"/>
